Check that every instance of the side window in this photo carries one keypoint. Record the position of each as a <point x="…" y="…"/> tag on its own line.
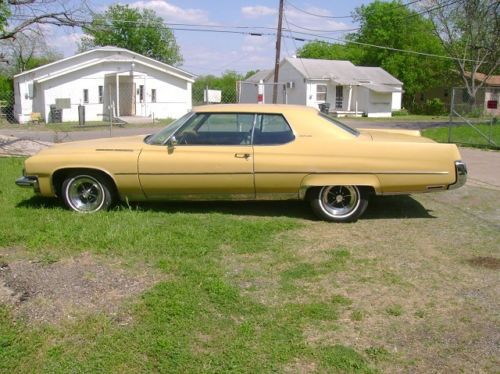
<point x="272" y="129"/>
<point x="217" y="129"/>
<point x="321" y="92"/>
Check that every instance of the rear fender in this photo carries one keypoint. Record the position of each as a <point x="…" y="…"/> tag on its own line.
<point x="319" y="180"/>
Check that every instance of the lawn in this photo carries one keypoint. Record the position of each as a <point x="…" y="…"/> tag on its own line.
<point x="406" y="118"/>
<point x="249" y="287"/>
<point x="466" y="135"/>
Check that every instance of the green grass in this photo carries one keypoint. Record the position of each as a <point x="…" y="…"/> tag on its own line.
<point x="466" y="135"/>
<point x="198" y="299"/>
<point x="407" y="118"/>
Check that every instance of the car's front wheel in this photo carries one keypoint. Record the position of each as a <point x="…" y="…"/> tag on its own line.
<point x="339" y="203"/>
<point x="87" y="192"/>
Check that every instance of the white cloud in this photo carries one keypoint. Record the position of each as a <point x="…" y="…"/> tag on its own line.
<point x="254" y="53"/>
<point x="257" y="43"/>
<point x="171" y="12"/>
<point x="257" y="11"/>
<point x="312" y="22"/>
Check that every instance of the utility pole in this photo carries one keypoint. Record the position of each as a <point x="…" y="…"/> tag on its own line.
<point x="278" y="50"/>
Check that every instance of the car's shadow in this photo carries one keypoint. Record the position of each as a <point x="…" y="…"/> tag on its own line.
<point x="379" y="207"/>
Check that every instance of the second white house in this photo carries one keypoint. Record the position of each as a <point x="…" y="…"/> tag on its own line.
<point x="105" y="81"/>
<point x="345" y="88"/>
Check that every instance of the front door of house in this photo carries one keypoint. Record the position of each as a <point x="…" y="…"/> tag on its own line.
<point x="339" y="97"/>
<point x="127" y="97"/>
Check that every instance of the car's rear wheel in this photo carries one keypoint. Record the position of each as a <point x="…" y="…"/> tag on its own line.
<point x="87" y="192"/>
<point x="339" y="203"/>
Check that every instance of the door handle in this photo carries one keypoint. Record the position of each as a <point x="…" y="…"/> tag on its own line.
<point x="242" y="155"/>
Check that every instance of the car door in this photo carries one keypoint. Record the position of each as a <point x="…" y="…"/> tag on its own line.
<point x="210" y="156"/>
<point x="277" y="158"/>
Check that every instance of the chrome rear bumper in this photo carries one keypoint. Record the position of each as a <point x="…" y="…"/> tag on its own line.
<point x="461" y="175"/>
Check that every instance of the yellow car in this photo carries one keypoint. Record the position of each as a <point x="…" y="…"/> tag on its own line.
<point x="248" y="152"/>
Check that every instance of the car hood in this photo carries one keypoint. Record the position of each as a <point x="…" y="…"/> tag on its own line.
<point x="395" y="135"/>
<point x="126" y="143"/>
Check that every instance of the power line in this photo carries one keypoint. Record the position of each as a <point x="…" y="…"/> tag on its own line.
<point x="316" y="30"/>
<point x="315" y="14"/>
<point x="339" y="17"/>
<point x="296" y="48"/>
<point x="315" y="36"/>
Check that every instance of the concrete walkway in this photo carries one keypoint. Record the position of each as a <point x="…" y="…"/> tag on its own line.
<point x="483" y="167"/>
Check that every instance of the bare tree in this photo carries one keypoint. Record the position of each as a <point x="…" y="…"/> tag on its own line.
<point x="27" y="50"/>
<point x="22" y="14"/>
<point x="18" y="16"/>
<point x="469" y="31"/>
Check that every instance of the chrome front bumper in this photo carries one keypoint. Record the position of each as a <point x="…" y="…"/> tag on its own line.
<point x="28" y="181"/>
<point x="461" y="175"/>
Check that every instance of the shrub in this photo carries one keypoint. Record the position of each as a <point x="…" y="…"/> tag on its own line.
<point x="433" y="107"/>
<point x="401" y="112"/>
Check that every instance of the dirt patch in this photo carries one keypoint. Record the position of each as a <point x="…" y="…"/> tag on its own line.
<point x="485" y="262"/>
<point x="66" y="289"/>
<point x="11" y="146"/>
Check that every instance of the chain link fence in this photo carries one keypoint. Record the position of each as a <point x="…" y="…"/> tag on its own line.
<point x="241" y="92"/>
<point x="474" y="120"/>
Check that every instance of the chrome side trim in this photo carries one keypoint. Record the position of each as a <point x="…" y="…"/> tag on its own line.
<point x="461" y="175"/>
<point x="304" y="172"/>
<point x="113" y="150"/>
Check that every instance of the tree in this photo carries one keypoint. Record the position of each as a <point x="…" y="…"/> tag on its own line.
<point x="19" y="15"/>
<point x="469" y="31"/>
<point x="329" y="51"/>
<point x="139" y="31"/>
<point x="226" y="83"/>
<point x="393" y="25"/>
<point x="27" y="51"/>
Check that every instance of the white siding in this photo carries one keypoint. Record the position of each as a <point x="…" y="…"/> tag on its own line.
<point x="396" y="101"/>
<point x="173" y="93"/>
<point x="379" y="104"/>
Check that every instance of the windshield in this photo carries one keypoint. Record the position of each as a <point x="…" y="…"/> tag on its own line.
<point x="161" y="136"/>
<point x="342" y="125"/>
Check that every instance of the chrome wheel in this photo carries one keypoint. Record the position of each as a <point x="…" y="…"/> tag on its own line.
<point x="85" y="194"/>
<point x="339" y="201"/>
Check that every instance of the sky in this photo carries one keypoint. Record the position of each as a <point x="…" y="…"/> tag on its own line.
<point x="213" y="53"/>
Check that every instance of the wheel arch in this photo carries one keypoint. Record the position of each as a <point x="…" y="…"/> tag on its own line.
<point x="365" y="182"/>
<point x="59" y="175"/>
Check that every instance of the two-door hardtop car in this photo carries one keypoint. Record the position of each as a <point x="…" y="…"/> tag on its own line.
<point x="243" y="151"/>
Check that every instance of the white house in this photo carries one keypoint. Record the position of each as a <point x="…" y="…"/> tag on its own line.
<point x="103" y="80"/>
<point x="348" y="89"/>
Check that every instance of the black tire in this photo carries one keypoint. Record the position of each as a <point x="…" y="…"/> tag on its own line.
<point x="87" y="192"/>
<point x="339" y="203"/>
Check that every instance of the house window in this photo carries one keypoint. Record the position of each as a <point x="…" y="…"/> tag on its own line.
<point x="153" y="95"/>
<point x="141" y="93"/>
<point x="101" y="94"/>
<point x="339" y="97"/>
<point x="85" y="96"/>
<point x="321" y="92"/>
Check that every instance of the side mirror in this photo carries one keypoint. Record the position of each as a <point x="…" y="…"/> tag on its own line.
<point x="172" y="142"/>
